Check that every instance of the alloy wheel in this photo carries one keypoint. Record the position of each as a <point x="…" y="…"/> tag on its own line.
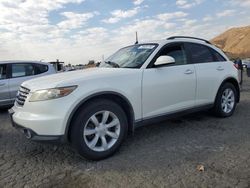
<point x="228" y="100"/>
<point x="102" y="131"/>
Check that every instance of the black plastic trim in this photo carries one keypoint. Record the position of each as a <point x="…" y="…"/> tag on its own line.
<point x="163" y="117"/>
<point x="8" y="71"/>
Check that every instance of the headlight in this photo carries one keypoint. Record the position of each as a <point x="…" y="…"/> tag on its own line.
<point x="54" y="93"/>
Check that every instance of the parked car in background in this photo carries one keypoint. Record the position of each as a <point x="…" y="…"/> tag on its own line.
<point x="13" y="73"/>
<point x="143" y="83"/>
<point x="245" y="63"/>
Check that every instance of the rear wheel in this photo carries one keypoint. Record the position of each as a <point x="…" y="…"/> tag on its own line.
<point x="99" y="129"/>
<point x="225" y="102"/>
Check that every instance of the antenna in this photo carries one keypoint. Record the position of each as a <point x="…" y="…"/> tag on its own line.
<point x="136" y="38"/>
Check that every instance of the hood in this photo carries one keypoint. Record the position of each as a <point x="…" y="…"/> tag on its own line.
<point x="74" y="77"/>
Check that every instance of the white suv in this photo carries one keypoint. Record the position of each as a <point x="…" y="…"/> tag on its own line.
<point x="94" y="109"/>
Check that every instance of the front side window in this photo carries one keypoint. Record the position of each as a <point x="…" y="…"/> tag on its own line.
<point x="130" y="57"/>
<point x="177" y="52"/>
<point x="199" y="53"/>
<point x="22" y="69"/>
<point x="3" y="74"/>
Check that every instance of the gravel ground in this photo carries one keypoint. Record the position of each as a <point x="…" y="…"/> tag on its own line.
<point x="162" y="155"/>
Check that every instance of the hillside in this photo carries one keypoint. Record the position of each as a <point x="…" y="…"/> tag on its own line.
<point x="235" y="41"/>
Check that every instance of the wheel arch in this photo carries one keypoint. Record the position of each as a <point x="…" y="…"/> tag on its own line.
<point x="114" y="96"/>
<point x="236" y="85"/>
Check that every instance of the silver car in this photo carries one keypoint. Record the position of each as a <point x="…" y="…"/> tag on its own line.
<point x="13" y="73"/>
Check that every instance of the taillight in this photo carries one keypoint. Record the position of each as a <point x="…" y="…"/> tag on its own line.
<point x="236" y="66"/>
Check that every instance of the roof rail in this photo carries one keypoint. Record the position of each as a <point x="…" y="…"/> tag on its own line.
<point x="177" y="37"/>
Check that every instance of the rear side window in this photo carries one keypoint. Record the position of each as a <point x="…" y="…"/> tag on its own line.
<point x="3" y="74"/>
<point x="217" y="56"/>
<point x="22" y="69"/>
<point x="199" y="53"/>
<point x="39" y="68"/>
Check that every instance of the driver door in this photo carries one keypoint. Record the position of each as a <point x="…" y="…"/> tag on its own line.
<point x="170" y="88"/>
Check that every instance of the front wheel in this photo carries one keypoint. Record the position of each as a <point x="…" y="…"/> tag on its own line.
<point x="99" y="129"/>
<point x="225" y="102"/>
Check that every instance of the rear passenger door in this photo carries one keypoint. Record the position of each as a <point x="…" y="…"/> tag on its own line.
<point x="210" y="70"/>
<point x="4" y="85"/>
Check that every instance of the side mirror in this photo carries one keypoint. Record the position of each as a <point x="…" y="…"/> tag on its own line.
<point x="164" y="60"/>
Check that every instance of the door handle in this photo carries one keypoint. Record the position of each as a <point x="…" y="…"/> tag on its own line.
<point x="189" y="71"/>
<point x="220" y="68"/>
<point x="3" y="84"/>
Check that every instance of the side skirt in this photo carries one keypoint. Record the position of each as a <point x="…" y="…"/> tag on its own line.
<point x="171" y="115"/>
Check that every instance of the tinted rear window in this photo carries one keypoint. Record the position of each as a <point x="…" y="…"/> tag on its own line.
<point x="199" y="53"/>
<point x="217" y="56"/>
<point x="40" y="68"/>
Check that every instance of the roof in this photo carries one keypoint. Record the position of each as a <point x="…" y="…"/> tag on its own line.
<point x="22" y="61"/>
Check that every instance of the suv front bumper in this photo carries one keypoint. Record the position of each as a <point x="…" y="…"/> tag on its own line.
<point x="31" y="134"/>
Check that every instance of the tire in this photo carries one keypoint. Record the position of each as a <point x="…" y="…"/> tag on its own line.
<point x="93" y="124"/>
<point x="224" y="104"/>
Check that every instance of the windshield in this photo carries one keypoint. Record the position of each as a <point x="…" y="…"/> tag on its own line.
<point x="130" y="57"/>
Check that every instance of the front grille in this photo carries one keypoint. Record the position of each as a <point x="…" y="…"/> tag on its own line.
<point x="22" y="95"/>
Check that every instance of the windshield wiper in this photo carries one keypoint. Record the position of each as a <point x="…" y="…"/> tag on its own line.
<point x="113" y="64"/>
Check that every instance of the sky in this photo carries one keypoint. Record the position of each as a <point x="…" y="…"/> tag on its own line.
<point x="76" y="31"/>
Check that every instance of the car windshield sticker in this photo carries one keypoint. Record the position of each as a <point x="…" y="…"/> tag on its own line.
<point x="146" y="47"/>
